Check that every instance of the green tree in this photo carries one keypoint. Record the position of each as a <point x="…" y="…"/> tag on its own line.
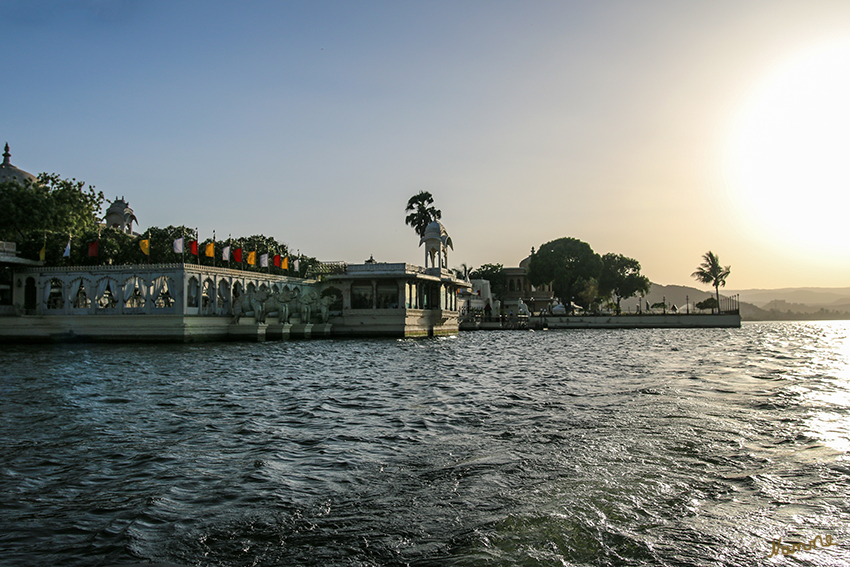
<point x="589" y="296"/>
<point x="422" y="213"/>
<point x="570" y="265"/>
<point x="113" y="247"/>
<point x="621" y="278"/>
<point x="711" y="272"/>
<point x="495" y="274"/>
<point x="162" y="245"/>
<point x="51" y="204"/>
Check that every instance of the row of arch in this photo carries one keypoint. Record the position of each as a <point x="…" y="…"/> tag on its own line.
<point x="105" y="293"/>
<point x="212" y="294"/>
<point x="522" y="284"/>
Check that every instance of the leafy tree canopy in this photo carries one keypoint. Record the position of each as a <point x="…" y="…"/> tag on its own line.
<point x="422" y="213"/>
<point x="621" y="278"/>
<point x="51" y="204"/>
<point x="570" y="265"/>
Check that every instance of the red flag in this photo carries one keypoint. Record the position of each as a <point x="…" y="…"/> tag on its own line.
<point x="93" y="248"/>
<point x="276" y="260"/>
<point x="193" y="247"/>
<point x="237" y="255"/>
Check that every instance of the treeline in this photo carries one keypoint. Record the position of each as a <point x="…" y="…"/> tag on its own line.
<point x="58" y="221"/>
<point x="577" y="274"/>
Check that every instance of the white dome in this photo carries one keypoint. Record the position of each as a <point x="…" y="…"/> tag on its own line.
<point x="9" y="172"/>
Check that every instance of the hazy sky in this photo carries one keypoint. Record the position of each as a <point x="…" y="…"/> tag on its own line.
<point x="658" y="130"/>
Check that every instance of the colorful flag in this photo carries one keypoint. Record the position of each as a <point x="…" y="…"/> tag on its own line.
<point x="42" y="253"/>
<point x="276" y="260"/>
<point x="252" y="258"/>
<point x="145" y="245"/>
<point x="193" y="247"/>
<point x="93" y="246"/>
<point x="225" y="254"/>
<point x="285" y="264"/>
<point x="178" y="245"/>
<point x="264" y="260"/>
<point x="237" y="255"/>
<point x="67" y="252"/>
<point x="209" y="250"/>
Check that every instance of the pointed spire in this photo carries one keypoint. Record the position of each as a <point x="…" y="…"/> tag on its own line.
<point x="6" y="155"/>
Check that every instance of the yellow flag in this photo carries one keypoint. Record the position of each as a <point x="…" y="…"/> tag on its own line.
<point x="285" y="264"/>
<point x="209" y="251"/>
<point x="252" y="258"/>
<point x="146" y="246"/>
<point x="42" y="253"/>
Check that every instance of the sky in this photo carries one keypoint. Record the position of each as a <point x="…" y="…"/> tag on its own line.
<point x="657" y="130"/>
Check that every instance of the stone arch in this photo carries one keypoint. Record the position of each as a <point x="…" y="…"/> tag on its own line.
<point x="208" y="295"/>
<point x="135" y="293"/>
<point x="107" y="294"/>
<point x="223" y="297"/>
<point x="161" y="293"/>
<point x="193" y="292"/>
<point x="54" y="294"/>
<point x="81" y="293"/>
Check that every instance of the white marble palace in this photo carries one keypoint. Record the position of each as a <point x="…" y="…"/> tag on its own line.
<point x="189" y="302"/>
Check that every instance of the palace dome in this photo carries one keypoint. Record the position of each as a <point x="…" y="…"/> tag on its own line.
<point x="9" y="172"/>
<point x="525" y="262"/>
<point x="119" y="215"/>
<point x="437" y="231"/>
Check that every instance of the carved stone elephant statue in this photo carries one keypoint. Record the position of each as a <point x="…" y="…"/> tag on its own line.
<point x="278" y="304"/>
<point x="250" y="303"/>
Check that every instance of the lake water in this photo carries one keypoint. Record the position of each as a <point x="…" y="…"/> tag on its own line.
<point x="587" y="447"/>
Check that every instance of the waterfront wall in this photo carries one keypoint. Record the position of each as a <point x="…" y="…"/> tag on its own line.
<point x="645" y="321"/>
<point x="190" y="303"/>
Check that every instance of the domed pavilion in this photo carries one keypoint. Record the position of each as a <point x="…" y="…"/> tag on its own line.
<point x="9" y="172"/>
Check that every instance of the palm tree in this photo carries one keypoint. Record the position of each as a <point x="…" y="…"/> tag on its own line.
<point x="421" y="213"/>
<point x="711" y="272"/>
<point x="463" y="272"/>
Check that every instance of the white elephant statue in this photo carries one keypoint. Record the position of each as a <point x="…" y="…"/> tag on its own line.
<point x="250" y="303"/>
<point x="278" y="304"/>
<point x="307" y="302"/>
<point x="325" y="307"/>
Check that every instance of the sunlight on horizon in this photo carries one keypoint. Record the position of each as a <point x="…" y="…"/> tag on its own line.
<point x="788" y="158"/>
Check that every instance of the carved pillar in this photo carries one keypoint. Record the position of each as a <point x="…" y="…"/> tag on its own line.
<point x="402" y="294"/>
<point x="345" y="288"/>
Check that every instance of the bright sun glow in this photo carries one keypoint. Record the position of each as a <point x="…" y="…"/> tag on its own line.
<point x="790" y="157"/>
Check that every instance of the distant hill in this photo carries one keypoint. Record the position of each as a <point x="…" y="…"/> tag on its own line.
<point x="827" y="297"/>
<point x="787" y="304"/>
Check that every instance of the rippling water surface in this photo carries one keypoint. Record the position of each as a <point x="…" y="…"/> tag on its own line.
<point x="591" y="447"/>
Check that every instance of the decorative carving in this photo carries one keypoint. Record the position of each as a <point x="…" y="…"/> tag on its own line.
<point x="251" y="303"/>
<point x="325" y="307"/>
<point x="307" y="301"/>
